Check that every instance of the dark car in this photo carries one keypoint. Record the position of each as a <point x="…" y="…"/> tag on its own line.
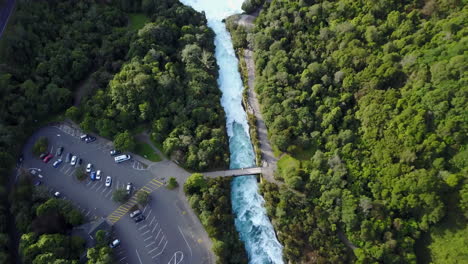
<point x="90" y="139"/>
<point x="79" y="161"/>
<point x="37" y="183"/>
<point x="43" y="155"/>
<point x="59" y="151"/>
<point x="48" y="158"/>
<point x="114" y="152"/>
<point x="139" y="218"/>
<point x="93" y="175"/>
<point x="68" y="158"/>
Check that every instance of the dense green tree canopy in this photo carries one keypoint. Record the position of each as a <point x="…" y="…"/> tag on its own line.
<point x="370" y="98"/>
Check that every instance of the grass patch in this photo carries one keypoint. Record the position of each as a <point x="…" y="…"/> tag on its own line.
<point x="146" y="151"/>
<point x="304" y="153"/>
<point x="137" y="21"/>
<point x="287" y="166"/>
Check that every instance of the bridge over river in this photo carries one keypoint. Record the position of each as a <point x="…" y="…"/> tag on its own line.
<point x="235" y="172"/>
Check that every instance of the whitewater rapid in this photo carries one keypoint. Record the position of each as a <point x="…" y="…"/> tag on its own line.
<point x="251" y="220"/>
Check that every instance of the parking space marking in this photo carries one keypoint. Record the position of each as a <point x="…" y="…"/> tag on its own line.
<point x="142" y="227"/>
<point x="89" y="182"/>
<point x="107" y="194"/>
<point x="150" y="244"/>
<point x="103" y="190"/>
<point x="150" y="211"/>
<point x="148" y="238"/>
<point x="144" y="209"/>
<point x="145" y="232"/>
<point x="100" y="186"/>
<point x="148" y="188"/>
<point x="155" y="227"/>
<point x="94" y="185"/>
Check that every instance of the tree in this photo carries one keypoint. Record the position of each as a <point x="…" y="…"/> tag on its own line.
<point x="172" y="184"/>
<point x="40" y="146"/>
<point x="73" y="113"/>
<point x="120" y="195"/>
<point x="80" y="174"/>
<point x="142" y="198"/>
<point x="124" y="141"/>
<point x="195" y="183"/>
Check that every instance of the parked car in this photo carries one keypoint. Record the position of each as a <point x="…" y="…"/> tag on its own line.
<point x="37" y="183"/>
<point x="139" y="218"/>
<point x="68" y="157"/>
<point x="59" y="151"/>
<point x="57" y="163"/>
<point x="79" y="161"/>
<point x="135" y="213"/>
<point x="48" y="158"/>
<point x="73" y="160"/>
<point x="108" y="181"/>
<point x="93" y="175"/>
<point x="114" y="152"/>
<point x="84" y="136"/>
<point x="90" y="139"/>
<point x="114" y="243"/>
<point x="129" y="188"/>
<point x="43" y="155"/>
<point x="57" y="194"/>
<point x="88" y="167"/>
<point x="98" y="174"/>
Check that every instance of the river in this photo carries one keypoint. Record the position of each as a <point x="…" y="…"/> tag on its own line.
<point x="251" y="219"/>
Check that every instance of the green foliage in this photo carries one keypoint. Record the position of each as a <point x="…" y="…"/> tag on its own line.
<point x="145" y="150"/>
<point x="212" y="204"/>
<point x="81" y="174"/>
<point x="377" y="94"/>
<point x="120" y="195"/>
<point x="137" y="21"/>
<point x="172" y="184"/>
<point x="142" y="198"/>
<point x="168" y="82"/>
<point x="124" y="141"/>
<point x="73" y="113"/>
<point x="62" y="207"/>
<point x="100" y="255"/>
<point x="249" y="6"/>
<point x="50" y="248"/>
<point x="195" y="183"/>
<point x="40" y="146"/>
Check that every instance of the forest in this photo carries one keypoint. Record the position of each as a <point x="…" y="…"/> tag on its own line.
<point x="211" y="201"/>
<point x="167" y="84"/>
<point x="161" y="77"/>
<point x="366" y="101"/>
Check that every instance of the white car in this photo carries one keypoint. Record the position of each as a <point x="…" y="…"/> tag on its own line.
<point x="73" y="160"/>
<point x="88" y="168"/>
<point x="57" y="194"/>
<point x="108" y="181"/>
<point x="114" y="243"/>
<point x="98" y="174"/>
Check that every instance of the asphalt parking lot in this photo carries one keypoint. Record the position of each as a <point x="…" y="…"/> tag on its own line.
<point x="163" y="237"/>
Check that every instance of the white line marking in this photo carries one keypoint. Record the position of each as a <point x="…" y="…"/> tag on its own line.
<point x="152" y="220"/>
<point x="185" y="240"/>
<point x="155" y="227"/>
<point x="142" y="227"/>
<point x="122" y="259"/>
<point x="138" y="255"/>
<point x="103" y="190"/>
<point x="175" y="258"/>
<point x="150" y="244"/>
<point x="94" y="185"/>
<point x="150" y="211"/>
<point x="89" y="183"/>
<point x="100" y="186"/>
<point x="147" y="238"/>
<point x="162" y="238"/>
<point x="160" y="252"/>
<point x="145" y="209"/>
<point x="107" y="194"/>
<point x="158" y="234"/>
<point x="145" y="233"/>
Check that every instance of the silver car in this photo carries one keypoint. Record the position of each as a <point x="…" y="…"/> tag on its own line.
<point x="73" y="160"/>
<point x="108" y="181"/>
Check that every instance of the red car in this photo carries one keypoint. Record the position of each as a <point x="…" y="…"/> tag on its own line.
<point x="48" y="158"/>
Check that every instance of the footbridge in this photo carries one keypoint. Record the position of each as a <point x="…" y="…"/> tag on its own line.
<point x="235" y="172"/>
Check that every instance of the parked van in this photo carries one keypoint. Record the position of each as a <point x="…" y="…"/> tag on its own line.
<point x="122" y="158"/>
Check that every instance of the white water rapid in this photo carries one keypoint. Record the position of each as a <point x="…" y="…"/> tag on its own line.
<point x="251" y="220"/>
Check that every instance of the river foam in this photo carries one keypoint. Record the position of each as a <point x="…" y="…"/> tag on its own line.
<point x="251" y="221"/>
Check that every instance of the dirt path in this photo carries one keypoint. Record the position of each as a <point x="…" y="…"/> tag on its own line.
<point x="268" y="158"/>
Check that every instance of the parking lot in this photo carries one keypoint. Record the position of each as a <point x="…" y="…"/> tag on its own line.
<point x="161" y="238"/>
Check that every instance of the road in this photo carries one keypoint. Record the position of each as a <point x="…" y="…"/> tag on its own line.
<point x="168" y="235"/>
<point x="5" y="12"/>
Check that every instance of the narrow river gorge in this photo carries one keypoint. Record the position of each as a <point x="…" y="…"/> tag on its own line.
<point x="251" y="222"/>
